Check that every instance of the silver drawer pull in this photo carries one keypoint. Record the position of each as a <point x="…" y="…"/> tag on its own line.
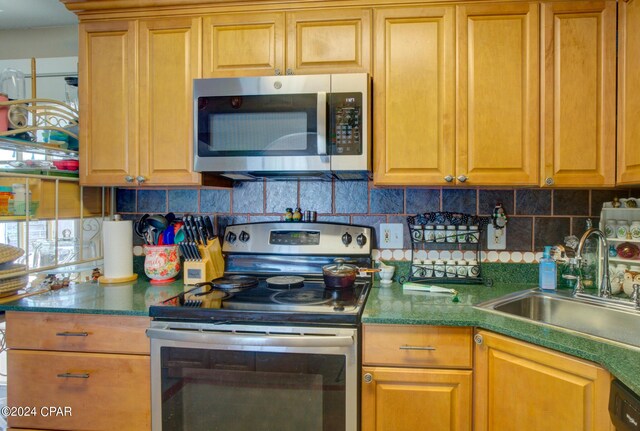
<point x="72" y="334"/>
<point x="405" y="347"/>
<point x="74" y="375"/>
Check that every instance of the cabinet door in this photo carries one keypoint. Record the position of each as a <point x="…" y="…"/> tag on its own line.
<point x="628" y="92"/>
<point x="249" y="44"/>
<point x="108" y="94"/>
<point x="100" y="391"/>
<point x="579" y="93"/>
<point x="329" y="41"/>
<point x="405" y="399"/>
<point x="169" y="61"/>
<point x="497" y="139"/>
<point x="414" y="92"/>
<point x="522" y="387"/>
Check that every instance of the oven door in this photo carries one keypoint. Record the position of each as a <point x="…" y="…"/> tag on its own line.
<point x="240" y="377"/>
<point x="261" y="124"/>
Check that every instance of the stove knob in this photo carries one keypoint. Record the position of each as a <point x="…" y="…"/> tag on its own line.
<point x="230" y="238"/>
<point x="361" y="240"/>
<point x="346" y="239"/>
<point x="244" y="236"/>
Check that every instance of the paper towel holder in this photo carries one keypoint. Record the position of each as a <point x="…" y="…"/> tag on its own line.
<point x="116" y="280"/>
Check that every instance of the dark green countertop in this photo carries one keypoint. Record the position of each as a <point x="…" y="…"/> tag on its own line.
<point x="393" y="306"/>
<point x="385" y="305"/>
<point x="131" y="299"/>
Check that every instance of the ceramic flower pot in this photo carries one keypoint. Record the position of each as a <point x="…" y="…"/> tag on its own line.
<point x="161" y="262"/>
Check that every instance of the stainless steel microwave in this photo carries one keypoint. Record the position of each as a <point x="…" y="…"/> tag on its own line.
<point x="302" y="126"/>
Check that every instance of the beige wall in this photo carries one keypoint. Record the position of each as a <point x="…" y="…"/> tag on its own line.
<point x="39" y="42"/>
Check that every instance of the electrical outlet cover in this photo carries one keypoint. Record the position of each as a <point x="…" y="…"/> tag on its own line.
<point x="496" y="238"/>
<point x="391" y="235"/>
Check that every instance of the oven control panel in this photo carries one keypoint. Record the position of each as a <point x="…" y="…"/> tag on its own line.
<point x="298" y="238"/>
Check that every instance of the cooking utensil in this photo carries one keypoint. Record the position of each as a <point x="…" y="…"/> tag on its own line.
<point x="342" y="275"/>
<point x="168" y="235"/>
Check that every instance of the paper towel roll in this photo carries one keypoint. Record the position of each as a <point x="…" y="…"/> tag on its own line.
<point x="117" y="238"/>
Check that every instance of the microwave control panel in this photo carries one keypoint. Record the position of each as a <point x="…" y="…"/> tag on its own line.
<point x="347" y="122"/>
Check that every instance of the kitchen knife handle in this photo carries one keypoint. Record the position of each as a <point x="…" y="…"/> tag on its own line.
<point x="209" y="225"/>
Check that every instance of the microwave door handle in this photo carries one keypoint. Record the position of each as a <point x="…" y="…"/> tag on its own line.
<point x="322" y="123"/>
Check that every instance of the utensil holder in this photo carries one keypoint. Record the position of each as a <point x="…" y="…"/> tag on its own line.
<point x="211" y="265"/>
<point x="161" y="263"/>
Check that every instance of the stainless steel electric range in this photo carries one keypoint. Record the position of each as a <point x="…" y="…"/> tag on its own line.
<point x="282" y="351"/>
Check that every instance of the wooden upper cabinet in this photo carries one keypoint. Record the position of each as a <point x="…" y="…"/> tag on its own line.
<point x="414" y="92"/>
<point x="247" y="44"/>
<point x="169" y="61"/>
<point x="579" y="93"/>
<point x="497" y="139"/>
<point x="628" y="92"/>
<point x="520" y="386"/>
<point x="329" y="41"/>
<point x="108" y="94"/>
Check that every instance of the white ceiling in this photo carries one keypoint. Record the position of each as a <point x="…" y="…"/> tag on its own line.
<point x="34" y="13"/>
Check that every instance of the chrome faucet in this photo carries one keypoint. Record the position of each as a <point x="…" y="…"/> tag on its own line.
<point x="605" y="284"/>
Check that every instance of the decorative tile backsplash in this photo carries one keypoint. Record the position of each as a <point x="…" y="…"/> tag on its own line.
<point x="537" y="217"/>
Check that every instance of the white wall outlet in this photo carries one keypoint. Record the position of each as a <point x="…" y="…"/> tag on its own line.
<point x="391" y="235"/>
<point x="496" y="238"/>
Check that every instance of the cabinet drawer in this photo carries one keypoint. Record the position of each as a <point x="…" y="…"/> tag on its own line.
<point x="418" y="346"/>
<point x="77" y="332"/>
<point x="108" y="392"/>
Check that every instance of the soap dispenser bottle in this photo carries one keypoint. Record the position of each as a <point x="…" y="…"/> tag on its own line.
<point x="547" y="271"/>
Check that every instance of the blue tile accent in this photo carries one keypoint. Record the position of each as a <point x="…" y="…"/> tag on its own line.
<point x="281" y="195"/>
<point x="373" y="221"/>
<point x="334" y="218"/>
<point x="533" y="202"/>
<point x="248" y="197"/>
<point x="459" y="200"/>
<point x="316" y="196"/>
<point x="183" y="200"/>
<point x="259" y="218"/>
<point x="423" y="200"/>
<point x="125" y="200"/>
<point x="215" y="201"/>
<point x="152" y="201"/>
<point x="387" y="201"/>
<point x="489" y="198"/>
<point x="351" y="197"/>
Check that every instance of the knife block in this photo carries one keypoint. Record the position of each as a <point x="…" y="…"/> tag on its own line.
<point x="210" y="267"/>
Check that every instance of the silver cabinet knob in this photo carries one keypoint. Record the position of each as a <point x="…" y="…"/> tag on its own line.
<point x="289" y="71"/>
<point x="140" y="179"/>
<point x="448" y="178"/>
<point x="462" y="178"/>
<point x="277" y="72"/>
<point x="128" y="179"/>
<point x="478" y="339"/>
<point x="368" y="378"/>
<point x="549" y="181"/>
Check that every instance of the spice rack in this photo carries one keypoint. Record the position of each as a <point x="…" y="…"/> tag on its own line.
<point x="447" y="231"/>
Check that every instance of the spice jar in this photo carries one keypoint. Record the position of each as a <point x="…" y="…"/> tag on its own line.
<point x="428" y="268"/>
<point x="451" y="234"/>
<point x="440" y="233"/>
<point x="429" y="234"/>
<point x="473" y="269"/>
<point x="461" y="269"/>
<point x="438" y="269"/>
<point x="473" y="235"/>
<point x="610" y="228"/>
<point x="450" y="268"/>
<point x="635" y="230"/>
<point x="416" y="232"/>
<point x="462" y="234"/>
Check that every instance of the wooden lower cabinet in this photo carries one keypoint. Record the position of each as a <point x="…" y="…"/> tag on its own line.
<point x="98" y="391"/>
<point x="416" y="377"/>
<point x="522" y="387"/>
<point x="96" y="366"/>
<point x="409" y="399"/>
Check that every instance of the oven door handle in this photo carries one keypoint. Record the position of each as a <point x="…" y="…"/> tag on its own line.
<point x="210" y="337"/>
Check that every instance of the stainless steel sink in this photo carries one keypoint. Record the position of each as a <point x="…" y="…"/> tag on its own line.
<point x="593" y="317"/>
